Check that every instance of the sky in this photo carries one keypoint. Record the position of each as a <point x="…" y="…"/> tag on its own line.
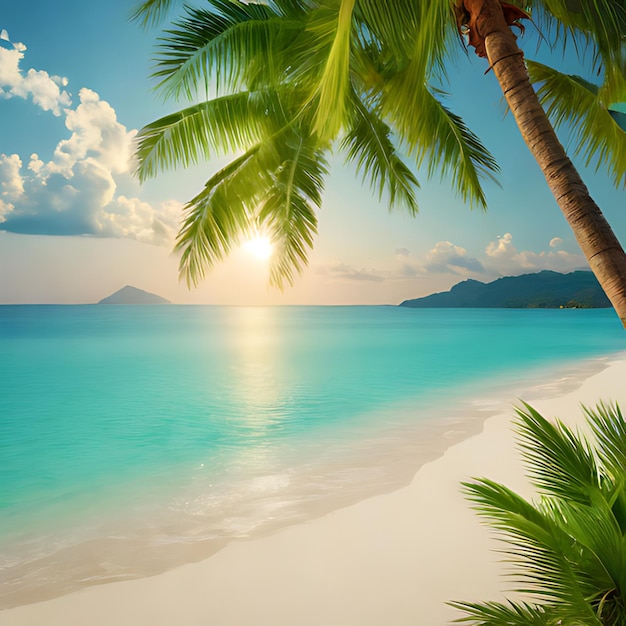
<point x="75" y="225"/>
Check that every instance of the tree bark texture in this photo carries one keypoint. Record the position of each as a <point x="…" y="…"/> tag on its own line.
<point x="595" y="237"/>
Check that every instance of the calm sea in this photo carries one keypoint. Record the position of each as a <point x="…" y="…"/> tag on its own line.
<point x="133" y="439"/>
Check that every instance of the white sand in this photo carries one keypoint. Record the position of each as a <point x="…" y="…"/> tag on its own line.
<point x="393" y="559"/>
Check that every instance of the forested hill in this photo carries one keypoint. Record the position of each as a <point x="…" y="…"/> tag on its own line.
<point x="544" y="289"/>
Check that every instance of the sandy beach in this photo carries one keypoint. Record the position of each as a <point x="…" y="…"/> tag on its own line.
<point x="391" y="559"/>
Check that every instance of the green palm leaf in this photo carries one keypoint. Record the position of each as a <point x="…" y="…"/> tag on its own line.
<point x="584" y="108"/>
<point x="292" y="8"/>
<point x="369" y="145"/>
<point x="434" y="47"/>
<point x="394" y="22"/>
<point x="275" y="188"/>
<point x="207" y="129"/>
<point x="218" y="217"/>
<point x="569" y="548"/>
<point x="560" y="463"/>
<point x="151" y="12"/>
<point x="510" y="614"/>
<point x="543" y="552"/>
<point x="609" y="428"/>
<point x="599" y="555"/>
<point x="229" y="43"/>
<point x="333" y="87"/>
<point x="602" y="23"/>
<point x="434" y="134"/>
<point x="288" y="207"/>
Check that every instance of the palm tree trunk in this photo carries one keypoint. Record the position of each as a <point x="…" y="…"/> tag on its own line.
<point x="595" y="237"/>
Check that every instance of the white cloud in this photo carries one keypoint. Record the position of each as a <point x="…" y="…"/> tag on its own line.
<point x="447" y="257"/>
<point x="95" y="133"/>
<point x="504" y="259"/>
<point x="444" y="258"/>
<point x="11" y="183"/>
<point x="35" y="164"/>
<point x="75" y="192"/>
<point x="80" y="198"/>
<point x="136" y="219"/>
<point x="45" y="90"/>
<point x="500" y="258"/>
<point x="5" y="208"/>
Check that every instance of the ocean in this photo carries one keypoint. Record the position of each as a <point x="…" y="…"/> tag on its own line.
<point x="134" y="439"/>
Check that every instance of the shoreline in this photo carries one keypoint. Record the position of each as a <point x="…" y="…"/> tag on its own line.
<point x="379" y="456"/>
<point x="388" y="557"/>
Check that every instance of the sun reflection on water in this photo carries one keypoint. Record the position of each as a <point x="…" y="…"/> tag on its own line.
<point x="258" y="363"/>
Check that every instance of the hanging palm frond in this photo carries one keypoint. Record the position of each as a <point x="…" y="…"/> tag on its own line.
<point x="435" y="135"/>
<point x="287" y="208"/>
<point x="151" y="12"/>
<point x="218" y="217"/>
<point x="581" y="106"/>
<point x="211" y="128"/>
<point x="369" y="145"/>
<point x="225" y="46"/>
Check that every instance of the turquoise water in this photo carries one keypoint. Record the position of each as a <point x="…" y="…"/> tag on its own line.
<point x="159" y="428"/>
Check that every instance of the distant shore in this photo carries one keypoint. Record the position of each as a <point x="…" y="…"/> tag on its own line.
<point x="395" y="558"/>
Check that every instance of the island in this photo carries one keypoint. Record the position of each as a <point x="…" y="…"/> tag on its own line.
<point x="546" y="290"/>
<point x="132" y="295"/>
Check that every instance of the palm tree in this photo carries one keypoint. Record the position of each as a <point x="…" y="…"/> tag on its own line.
<point x="569" y="547"/>
<point x="297" y="79"/>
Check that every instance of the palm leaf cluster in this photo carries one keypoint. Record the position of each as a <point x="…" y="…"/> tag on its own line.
<point x="282" y="84"/>
<point x="568" y="547"/>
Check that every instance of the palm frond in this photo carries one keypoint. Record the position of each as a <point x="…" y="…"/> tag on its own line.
<point x="275" y="187"/>
<point x="499" y="614"/>
<point x="572" y="101"/>
<point x="570" y="547"/>
<point x="602" y="23"/>
<point x="151" y="12"/>
<point x="368" y="143"/>
<point x="229" y="43"/>
<point x="204" y="130"/>
<point x="333" y="87"/>
<point x="288" y="207"/>
<point x="433" y="133"/>
<point x="420" y="33"/>
<point x="547" y="559"/>
<point x="218" y="217"/>
<point x="599" y="554"/>
<point x="609" y="429"/>
<point x="559" y="463"/>
<point x="393" y="23"/>
<point x="435" y="45"/>
<point x="292" y="8"/>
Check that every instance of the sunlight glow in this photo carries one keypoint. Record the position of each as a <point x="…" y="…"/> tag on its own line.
<point x="260" y="247"/>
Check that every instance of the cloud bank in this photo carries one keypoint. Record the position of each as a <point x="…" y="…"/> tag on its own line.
<point x="499" y="258"/>
<point x="76" y="191"/>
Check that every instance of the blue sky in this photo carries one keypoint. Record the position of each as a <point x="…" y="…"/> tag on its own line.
<point x="76" y="226"/>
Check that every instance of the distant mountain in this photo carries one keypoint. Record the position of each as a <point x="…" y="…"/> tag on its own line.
<point x="132" y="295"/>
<point x="544" y="290"/>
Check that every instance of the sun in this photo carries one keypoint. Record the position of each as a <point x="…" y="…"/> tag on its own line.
<point x="260" y="247"/>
